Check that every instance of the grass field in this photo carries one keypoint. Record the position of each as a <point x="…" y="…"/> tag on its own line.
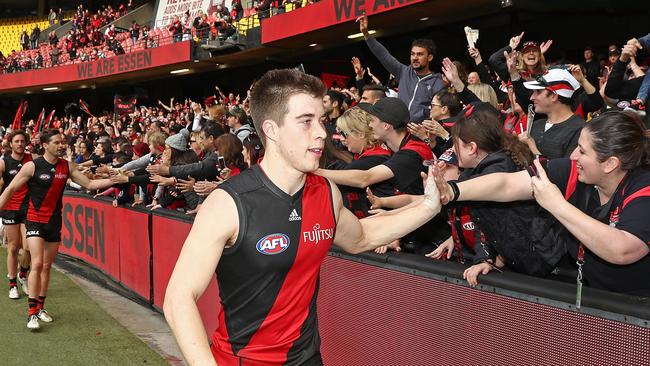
<point x="81" y="334"/>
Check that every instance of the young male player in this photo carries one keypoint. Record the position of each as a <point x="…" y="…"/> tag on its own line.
<point x="266" y="232"/>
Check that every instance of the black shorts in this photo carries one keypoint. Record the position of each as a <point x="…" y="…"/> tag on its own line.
<point x="10" y="217"/>
<point x="50" y="231"/>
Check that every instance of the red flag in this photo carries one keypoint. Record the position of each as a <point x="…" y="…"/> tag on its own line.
<point x="22" y="108"/>
<point x="84" y="107"/>
<point x="39" y="121"/>
<point x="48" y="121"/>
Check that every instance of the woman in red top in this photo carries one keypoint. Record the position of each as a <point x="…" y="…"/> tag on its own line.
<point x="231" y="159"/>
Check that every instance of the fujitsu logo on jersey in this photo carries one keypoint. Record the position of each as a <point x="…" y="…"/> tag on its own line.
<point x="273" y="244"/>
<point x="13" y="172"/>
<point x="60" y="176"/>
<point x="317" y="235"/>
<point x="44" y="176"/>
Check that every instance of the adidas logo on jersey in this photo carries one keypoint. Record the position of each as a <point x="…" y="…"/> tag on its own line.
<point x="294" y="216"/>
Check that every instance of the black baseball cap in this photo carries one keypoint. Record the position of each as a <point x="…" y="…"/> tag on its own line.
<point x="390" y="110"/>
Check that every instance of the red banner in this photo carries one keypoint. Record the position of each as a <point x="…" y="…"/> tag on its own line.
<point x="168" y="238"/>
<point x="91" y="233"/>
<point x="134" y="251"/>
<point x="325" y="14"/>
<point x="129" y="62"/>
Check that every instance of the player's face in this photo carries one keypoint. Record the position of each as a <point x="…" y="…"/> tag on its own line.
<point x="301" y="138"/>
<point x="55" y="146"/>
<point x="590" y="168"/>
<point x="18" y="144"/>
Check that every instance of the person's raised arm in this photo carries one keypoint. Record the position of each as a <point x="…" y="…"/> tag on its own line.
<point x="193" y="272"/>
<point x="358" y="178"/>
<point x="23" y="176"/>
<point x="387" y="60"/>
<point x="356" y="236"/>
<point x="497" y="187"/>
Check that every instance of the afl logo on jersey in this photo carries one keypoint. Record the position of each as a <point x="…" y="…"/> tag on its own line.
<point x="469" y="226"/>
<point x="13" y="172"/>
<point x="44" y="177"/>
<point x="273" y="244"/>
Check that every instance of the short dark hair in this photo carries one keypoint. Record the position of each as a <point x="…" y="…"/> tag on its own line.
<point x="99" y="125"/>
<point x="121" y="157"/>
<point x="47" y="135"/>
<point x="426" y="44"/>
<point x="271" y="93"/>
<point x="213" y="129"/>
<point x="377" y="89"/>
<point x="451" y="101"/>
<point x="336" y="96"/>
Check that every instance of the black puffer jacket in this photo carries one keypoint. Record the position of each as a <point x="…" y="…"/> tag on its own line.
<point x="521" y="232"/>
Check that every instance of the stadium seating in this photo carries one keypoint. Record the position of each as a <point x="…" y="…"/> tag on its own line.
<point x="10" y="29"/>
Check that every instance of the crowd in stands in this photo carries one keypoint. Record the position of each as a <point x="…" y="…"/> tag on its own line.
<point x="491" y="116"/>
<point x="83" y="42"/>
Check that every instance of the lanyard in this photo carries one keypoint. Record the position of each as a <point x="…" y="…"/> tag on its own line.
<point x="606" y="210"/>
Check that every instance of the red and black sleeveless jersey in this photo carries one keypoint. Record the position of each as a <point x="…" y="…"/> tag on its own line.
<point x="46" y="189"/>
<point x="268" y="280"/>
<point x="12" y="166"/>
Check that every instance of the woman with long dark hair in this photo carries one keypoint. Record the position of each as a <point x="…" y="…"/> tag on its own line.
<point x="600" y="195"/>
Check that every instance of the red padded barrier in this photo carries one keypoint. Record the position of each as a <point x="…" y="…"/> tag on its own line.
<point x="134" y="251"/>
<point x="374" y="316"/>
<point x="91" y="232"/>
<point x="168" y="238"/>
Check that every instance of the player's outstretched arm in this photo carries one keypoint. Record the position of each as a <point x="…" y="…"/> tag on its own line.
<point x="215" y="226"/>
<point x="89" y="184"/>
<point x="23" y="176"/>
<point x="356" y="236"/>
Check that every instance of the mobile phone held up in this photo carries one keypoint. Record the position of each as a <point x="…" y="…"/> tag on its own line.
<point x="221" y="162"/>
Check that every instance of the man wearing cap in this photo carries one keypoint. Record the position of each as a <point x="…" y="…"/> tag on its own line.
<point x="238" y="123"/>
<point x="390" y="118"/>
<point x="389" y="125"/>
<point x="557" y="135"/>
<point x="417" y="84"/>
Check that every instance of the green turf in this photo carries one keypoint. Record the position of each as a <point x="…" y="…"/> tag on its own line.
<point x="81" y="334"/>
